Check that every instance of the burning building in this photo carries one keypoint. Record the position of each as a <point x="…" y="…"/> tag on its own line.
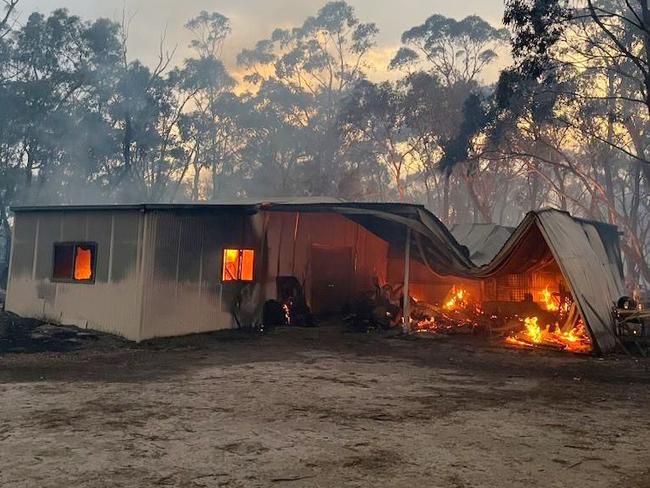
<point x="144" y="271"/>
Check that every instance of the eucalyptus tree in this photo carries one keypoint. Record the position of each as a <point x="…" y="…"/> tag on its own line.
<point x="591" y="60"/>
<point x="374" y="126"/>
<point x="6" y="13"/>
<point x="455" y="50"/>
<point x="59" y="78"/>
<point x="215" y="137"/>
<point x="443" y="60"/>
<point x="318" y="63"/>
<point x="434" y="114"/>
<point x="9" y="173"/>
<point x="275" y="158"/>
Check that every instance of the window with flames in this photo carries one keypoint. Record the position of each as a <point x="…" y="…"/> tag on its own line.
<point x="238" y="265"/>
<point x="74" y="262"/>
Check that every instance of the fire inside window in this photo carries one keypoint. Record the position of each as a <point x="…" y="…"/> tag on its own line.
<point x="238" y="265"/>
<point x="74" y="261"/>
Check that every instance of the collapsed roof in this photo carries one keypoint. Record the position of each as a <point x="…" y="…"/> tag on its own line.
<point x="587" y="252"/>
<point x="484" y="241"/>
<point x="589" y="257"/>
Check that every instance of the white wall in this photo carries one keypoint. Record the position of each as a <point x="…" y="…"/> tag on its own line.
<point x="112" y="303"/>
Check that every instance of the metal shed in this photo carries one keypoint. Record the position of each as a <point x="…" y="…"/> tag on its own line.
<point x="158" y="269"/>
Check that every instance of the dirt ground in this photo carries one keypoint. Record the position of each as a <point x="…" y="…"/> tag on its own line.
<point x="319" y="408"/>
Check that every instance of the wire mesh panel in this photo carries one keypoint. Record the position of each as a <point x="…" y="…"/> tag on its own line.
<point x="513" y="287"/>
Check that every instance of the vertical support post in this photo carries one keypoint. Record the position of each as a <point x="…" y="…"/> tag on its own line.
<point x="406" y="312"/>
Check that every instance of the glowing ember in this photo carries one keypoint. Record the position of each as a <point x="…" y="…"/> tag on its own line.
<point x="426" y="325"/>
<point x="575" y="340"/>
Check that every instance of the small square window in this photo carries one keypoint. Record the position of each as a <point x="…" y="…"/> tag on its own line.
<point x="238" y="265"/>
<point x="74" y="261"/>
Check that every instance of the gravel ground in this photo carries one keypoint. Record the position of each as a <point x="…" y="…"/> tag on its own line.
<point x="319" y="408"/>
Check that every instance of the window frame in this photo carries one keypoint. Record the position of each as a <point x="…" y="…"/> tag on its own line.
<point x="240" y="250"/>
<point x="75" y="245"/>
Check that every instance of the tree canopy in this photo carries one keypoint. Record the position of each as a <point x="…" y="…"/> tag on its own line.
<point x="307" y="111"/>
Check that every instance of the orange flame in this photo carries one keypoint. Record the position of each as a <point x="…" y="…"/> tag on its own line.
<point x="456" y="312"/>
<point x="83" y="269"/>
<point x="456" y="299"/>
<point x="549" y="300"/>
<point x="575" y="340"/>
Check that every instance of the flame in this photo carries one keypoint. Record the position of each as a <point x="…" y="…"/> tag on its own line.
<point x="534" y="330"/>
<point x="457" y="299"/>
<point x="238" y="265"/>
<point x="575" y="340"/>
<point x="456" y="313"/>
<point x="230" y="264"/>
<point x="459" y="314"/>
<point x="83" y="268"/>
<point x="247" y="260"/>
<point x="549" y="300"/>
<point x="287" y="313"/>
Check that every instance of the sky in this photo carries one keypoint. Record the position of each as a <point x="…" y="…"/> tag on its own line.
<point x="253" y="20"/>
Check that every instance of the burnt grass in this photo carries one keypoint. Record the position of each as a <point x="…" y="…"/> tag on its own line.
<point x="317" y="406"/>
<point x="28" y="336"/>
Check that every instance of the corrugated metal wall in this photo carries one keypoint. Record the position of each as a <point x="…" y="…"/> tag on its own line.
<point x="158" y="273"/>
<point x="112" y="303"/>
<point x="183" y="292"/>
<point x="292" y="235"/>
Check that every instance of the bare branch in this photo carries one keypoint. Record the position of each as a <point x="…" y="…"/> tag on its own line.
<point x="9" y="7"/>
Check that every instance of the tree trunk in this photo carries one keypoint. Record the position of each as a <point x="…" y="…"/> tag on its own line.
<point x="562" y="186"/>
<point x="481" y="210"/>
<point x="195" y="182"/>
<point x="215" y="181"/>
<point x="445" y="200"/>
<point x="29" y="169"/>
<point x="645" y="17"/>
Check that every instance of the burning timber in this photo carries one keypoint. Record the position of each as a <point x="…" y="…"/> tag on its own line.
<point x="460" y="314"/>
<point x="144" y="271"/>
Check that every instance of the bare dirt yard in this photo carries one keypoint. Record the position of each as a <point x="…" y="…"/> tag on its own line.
<point x="318" y="408"/>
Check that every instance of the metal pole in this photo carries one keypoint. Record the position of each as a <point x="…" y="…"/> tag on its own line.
<point x="406" y="315"/>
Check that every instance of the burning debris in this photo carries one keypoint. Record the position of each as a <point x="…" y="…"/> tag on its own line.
<point x="458" y="314"/>
<point x="379" y="308"/>
<point x="551" y="322"/>
<point x="574" y="339"/>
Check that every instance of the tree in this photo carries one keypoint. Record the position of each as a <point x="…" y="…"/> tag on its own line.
<point x="373" y="119"/>
<point x="456" y="51"/>
<point x="275" y="152"/>
<point x="443" y="59"/>
<point x="316" y="63"/>
<point x="215" y="136"/>
<point x="9" y="6"/>
<point x="586" y="67"/>
<point x="54" y="79"/>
